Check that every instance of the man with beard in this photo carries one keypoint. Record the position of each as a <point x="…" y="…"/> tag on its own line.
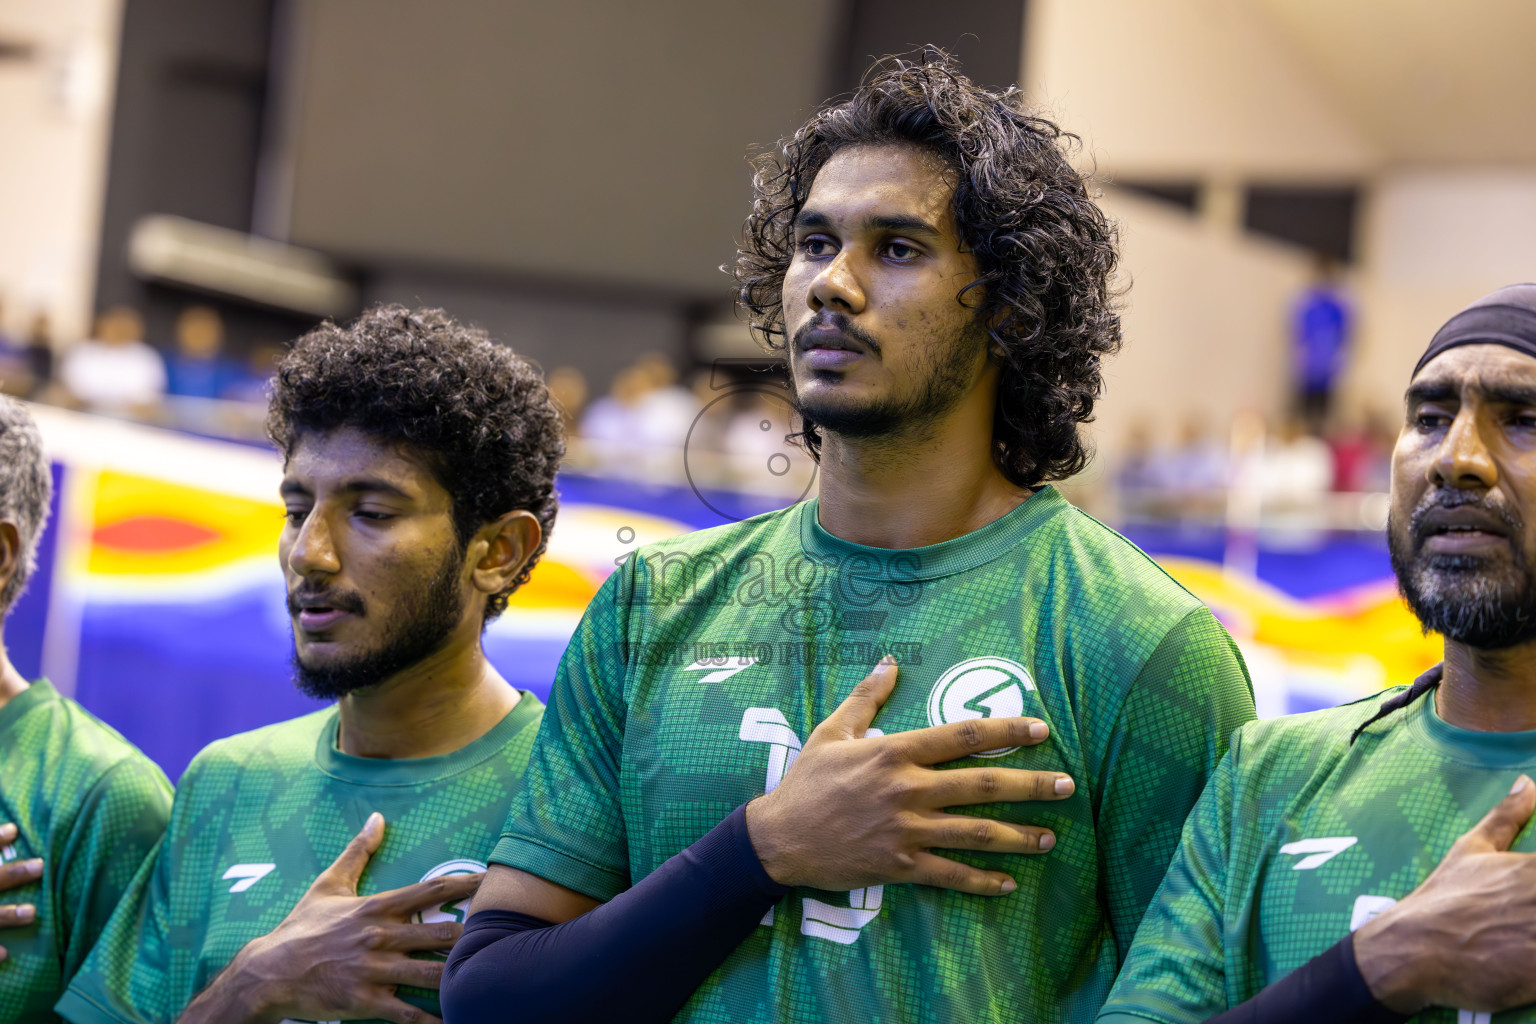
<point x="81" y="808"/>
<point x="1354" y="822"/>
<point x="419" y="463"/>
<point x="939" y="275"/>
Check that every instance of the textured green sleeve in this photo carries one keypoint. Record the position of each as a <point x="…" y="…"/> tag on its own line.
<point x="1176" y="971"/>
<point x="1172" y="730"/>
<point x="566" y="824"/>
<point x="120" y="821"/>
<point x="140" y="971"/>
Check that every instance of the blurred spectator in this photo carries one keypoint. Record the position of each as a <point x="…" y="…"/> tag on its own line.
<point x="757" y="430"/>
<point x="568" y="387"/>
<point x="1362" y="453"/>
<point x="666" y="409"/>
<point x="15" y="372"/>
<point x="1196" y="472"/>
<point x="1141" y="468"/>
<point x="198" y="369"/>
<point x="1142" y="476"/>
<point x="1297" y="468"/>
<point x="249" y="383"/>
<point x="759" y="456"/>
<point x="719" y="400"/>
<point x="614" y="418"/>
<point x="115" y="371"/>
<point x="40" y="356"/>
<point x="1320" y="332"/>
<point x="1377" y="473"/>
<point x="1199" y="464"/>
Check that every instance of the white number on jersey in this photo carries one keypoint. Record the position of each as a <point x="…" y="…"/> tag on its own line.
<point x="817" y="919"/>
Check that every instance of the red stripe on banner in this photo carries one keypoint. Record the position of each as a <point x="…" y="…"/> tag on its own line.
<point x="146" y="534"/>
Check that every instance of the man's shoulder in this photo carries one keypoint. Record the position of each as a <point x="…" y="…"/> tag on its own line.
<point x="1099" y="561"/>
<point x="680" y="575"/>
<point x="278" y="747"/>
<point x="1117" y="605"/>
<point x="1309" y="743"/>
<point x="87" y="753"/>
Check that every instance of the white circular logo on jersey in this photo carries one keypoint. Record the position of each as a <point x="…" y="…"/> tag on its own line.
<point x="456" y="911"/>
<point x="980" y="688"/>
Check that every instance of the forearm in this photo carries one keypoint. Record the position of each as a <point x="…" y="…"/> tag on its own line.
<point x="639" y="956"/>
<point x="1328" y="989"/>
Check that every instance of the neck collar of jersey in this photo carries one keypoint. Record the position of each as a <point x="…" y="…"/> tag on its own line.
<point x="413" y="771"/>
<point x="40" y="692"/>
<point x="946" y="558"/>
<point x="1491" y="749"/>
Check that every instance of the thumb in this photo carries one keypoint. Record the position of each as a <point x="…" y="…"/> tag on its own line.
<point x="1499" y="826"/>
<point x="857" y="711"/>
<point x="347" y="869"/>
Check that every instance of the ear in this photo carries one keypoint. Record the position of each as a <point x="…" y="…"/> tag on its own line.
<point x="10" y="553"/>
<point x="502" y="548"/>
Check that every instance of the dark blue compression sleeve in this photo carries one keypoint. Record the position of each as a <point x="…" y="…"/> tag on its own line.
<point x="636" y="958"/>
<point x="1328" y="989"/>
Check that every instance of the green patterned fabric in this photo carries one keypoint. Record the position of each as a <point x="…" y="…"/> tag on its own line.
<point x="86" y="801"/>
<point x="1301" y="838"/>
<point x="705" y="662"/>
<point x="257" y="817"/>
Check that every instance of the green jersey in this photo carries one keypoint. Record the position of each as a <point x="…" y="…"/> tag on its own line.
<point x="257" y="817"/>
<point x="93" y="807"/>
<point x="705" y="661"/>
<point x="1302" y="837"/>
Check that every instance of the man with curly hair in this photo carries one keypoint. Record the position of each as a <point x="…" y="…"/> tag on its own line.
<point x="419" y="461"/>
<point x="81" y="808"/>
<point x="939" y="278"/>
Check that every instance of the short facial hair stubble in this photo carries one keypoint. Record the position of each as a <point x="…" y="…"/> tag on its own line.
<point x="418" y="630"/>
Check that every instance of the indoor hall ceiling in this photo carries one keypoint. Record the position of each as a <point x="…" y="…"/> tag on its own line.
<point x="1428" y="82"/>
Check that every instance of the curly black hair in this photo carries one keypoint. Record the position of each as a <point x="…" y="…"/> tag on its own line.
<point x="1045" y="250"/>
<point x="477" y="413"/>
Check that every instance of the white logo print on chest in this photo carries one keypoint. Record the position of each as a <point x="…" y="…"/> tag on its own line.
<point x="247" y="875"/>
<point x="720" y="669"/>
<point x="1321" y="850"/>
<point x="817" y="919"/>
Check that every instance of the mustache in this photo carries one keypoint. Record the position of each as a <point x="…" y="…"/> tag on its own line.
<point x="838" y="321"/>
<point x="342" y="600"/>
<point x="1453" y="497"/>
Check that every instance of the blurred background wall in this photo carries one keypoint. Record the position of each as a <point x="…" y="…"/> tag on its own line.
<point x="1305" y="190"/>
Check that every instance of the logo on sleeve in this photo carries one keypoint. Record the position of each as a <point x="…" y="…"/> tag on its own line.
<point x="980" y="688"/>
<point x="247" y="875"/>
<point x="1321" y="851"/>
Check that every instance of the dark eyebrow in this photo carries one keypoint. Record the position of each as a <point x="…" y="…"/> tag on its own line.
<point x="1430" y="391"/>
<point x="1443" y="391"/>
<point x="362" y="485"/>
<point x="904" y="225"/>
<point x="809" y="219"/>
<point x="1510" y="394"/>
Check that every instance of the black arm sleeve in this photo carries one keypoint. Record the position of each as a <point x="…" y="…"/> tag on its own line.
<point x="1328" y="989"/>
<point x="636" y="958"/>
